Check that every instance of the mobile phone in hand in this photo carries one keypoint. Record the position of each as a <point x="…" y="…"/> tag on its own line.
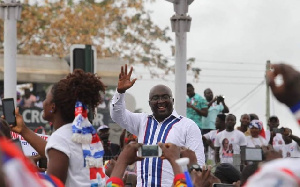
<point x="149" y="151"/>
<point x="8" y="107"/>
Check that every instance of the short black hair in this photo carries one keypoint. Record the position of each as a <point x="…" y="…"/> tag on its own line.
<point x="222" y="117"/>
<point x="231" y="115"/>
<point x="273" y="118"/>
<point x="189" y="85"/>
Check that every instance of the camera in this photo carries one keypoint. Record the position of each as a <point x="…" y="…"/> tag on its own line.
<point x="149" y="151"/>
<point x="220" y="98"/>
<point x="276" y="130"/>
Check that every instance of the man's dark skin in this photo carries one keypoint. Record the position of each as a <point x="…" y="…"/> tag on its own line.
<point x="288" y="137"/>
<point x="110" y="149"/>
<point x="209" y="96"/>
<point x="245" y="121"/>
<point x="220" y="125"/>
<point x="161" y="109"/>
<point x="289" y="91"/>
<point x="191" y="93"/>
<point x="230" y="122"/>
<point x="272" y="123"/>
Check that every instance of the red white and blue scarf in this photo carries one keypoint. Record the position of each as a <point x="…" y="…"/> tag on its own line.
<point x="92" y="149"/>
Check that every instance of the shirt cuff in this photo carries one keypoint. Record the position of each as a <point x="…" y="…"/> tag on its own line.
<point x="117" y="97"/>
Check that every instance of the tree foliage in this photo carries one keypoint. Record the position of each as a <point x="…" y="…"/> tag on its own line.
<point x="118" y="28"/>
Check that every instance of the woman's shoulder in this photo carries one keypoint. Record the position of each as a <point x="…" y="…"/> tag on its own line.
<point x="64" y="132"/>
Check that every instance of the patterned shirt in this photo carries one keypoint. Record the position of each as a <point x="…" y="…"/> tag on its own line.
<point x="175" y="129"/>
<point x="199" y="102"/>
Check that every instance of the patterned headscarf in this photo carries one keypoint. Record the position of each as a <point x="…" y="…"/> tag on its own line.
<point x="258" y="124"/>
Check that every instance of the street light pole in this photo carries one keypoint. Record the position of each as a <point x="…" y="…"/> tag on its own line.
<point x="181" y="24"/>
<point x="10" y="12"/>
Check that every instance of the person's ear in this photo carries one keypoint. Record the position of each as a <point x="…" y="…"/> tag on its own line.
<point x="53" y="109"/>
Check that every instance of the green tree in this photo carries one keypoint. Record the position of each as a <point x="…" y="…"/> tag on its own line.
<point x="118" y="28"/>
<point x="121" y="28"/>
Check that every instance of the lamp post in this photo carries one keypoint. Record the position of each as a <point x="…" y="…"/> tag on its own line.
<point x="180" y="23"/>
<point x="10" y="12"/>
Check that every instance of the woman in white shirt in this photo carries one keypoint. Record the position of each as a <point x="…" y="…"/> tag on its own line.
<point x="257" y="138"/>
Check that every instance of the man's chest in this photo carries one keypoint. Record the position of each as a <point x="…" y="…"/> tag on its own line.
<point x="170" y="132"/>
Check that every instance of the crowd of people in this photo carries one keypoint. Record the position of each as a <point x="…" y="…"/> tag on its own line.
<point x="199" y="150"/>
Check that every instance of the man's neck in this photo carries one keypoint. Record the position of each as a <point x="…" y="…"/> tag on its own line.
<point x="243" y="128"/>
<point x="208" y="100"/>
<point x="193" y="95"/>
<point x="229" y="130"/>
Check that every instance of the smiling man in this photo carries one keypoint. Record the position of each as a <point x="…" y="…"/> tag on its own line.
<point x="163" y="125"/>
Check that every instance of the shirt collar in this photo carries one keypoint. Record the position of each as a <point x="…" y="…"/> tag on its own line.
<point x="174" y="113"/>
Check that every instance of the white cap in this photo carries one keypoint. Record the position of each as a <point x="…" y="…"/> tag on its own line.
<point x="102" y="127"/>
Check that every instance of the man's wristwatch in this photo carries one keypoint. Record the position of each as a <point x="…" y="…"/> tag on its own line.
<point x="195" y="167"/>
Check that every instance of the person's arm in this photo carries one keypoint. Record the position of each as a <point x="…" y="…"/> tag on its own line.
<point x="171" y="152"/>
<point x="193" y="141"/>
<point x="207" y="141"/>
<point x="122" y="139"/>
<point x="118" y="112"/>
<point x="217" y="155"/>
<point x="242" y="155"/>
<point x="201" y="112"/>
<point x="272" y="135"/>
<point x="288" y="92"/>
<point x="127" y="157"/>
<point x="34" y="140"/>
<point x="58" y="164"/>
<point x="209" y="104"/>
<point x="226" y="109"/>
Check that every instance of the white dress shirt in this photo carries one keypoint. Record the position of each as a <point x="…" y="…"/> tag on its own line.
<point x="175" y="129"/>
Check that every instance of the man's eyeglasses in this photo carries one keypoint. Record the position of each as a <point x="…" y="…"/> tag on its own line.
<point x="162" y="98"/>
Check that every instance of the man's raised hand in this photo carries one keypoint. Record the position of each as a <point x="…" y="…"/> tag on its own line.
<point x="289" y="92"/>
<point x="124" y="79"/>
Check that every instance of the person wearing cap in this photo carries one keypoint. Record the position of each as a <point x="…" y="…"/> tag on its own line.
<point x="111" y="150"/>
<point x="257" y="138"/>
<point x="273" y="137"/>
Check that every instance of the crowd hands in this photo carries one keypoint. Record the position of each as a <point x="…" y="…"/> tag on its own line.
<point x="203" y="177"/>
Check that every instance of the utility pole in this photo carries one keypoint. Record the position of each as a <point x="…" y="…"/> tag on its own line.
<point x="180" y="23"/>
<point x="268" y="66"/>
<point x="10" y="12"/>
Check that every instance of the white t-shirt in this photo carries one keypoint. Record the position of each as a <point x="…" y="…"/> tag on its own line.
<point x="78" y="175"/>
<point x="253" y="142"/>
<point x="211" y="135"/>
<point x="289" y="150"/>
<point x="229" y="143"/>
<point x="279" y="172"/>
<point x="277" y="140"/>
